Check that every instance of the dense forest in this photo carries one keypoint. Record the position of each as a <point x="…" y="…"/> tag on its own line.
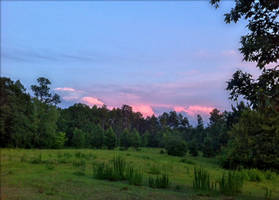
<point x="247" y="136"/>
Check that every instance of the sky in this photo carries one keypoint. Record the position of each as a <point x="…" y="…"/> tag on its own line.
<point x="156" y="56"/>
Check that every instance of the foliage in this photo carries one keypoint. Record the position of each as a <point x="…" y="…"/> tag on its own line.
<point x="78" y="139"/>
<point x="59" y="141"/>
<point x="254" y="143"/>
<point x="261" y="43"/>
<point x="176" y="147"/>
<point x="110" y="139"/>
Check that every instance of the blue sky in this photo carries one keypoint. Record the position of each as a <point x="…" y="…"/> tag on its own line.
<point x="156" y="56"/>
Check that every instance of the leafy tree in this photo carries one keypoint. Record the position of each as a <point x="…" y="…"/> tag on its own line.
<point x="207" y="149"/>
<point x="193" y="149"/>
<point x="261" y="43"/>
<point x="97" y="137"/>
<point x="42" y="92"/>
<point x="134" y="138"/>
<point x="144" y="139"/>
<point x="78" y="139"/>
<point x="176" y="147"/>
<point x="124" y="139"/>
<point x="255" y="141"/>
<point x="59" y="140"/>
<point x="110" y="139"/>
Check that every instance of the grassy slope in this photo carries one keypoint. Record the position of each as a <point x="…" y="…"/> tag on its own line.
<point x="21" y="179"/>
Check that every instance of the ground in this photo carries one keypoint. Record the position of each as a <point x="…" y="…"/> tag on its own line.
<point x="26" y="175"/>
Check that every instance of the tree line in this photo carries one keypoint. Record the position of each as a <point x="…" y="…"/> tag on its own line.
<point x="247" y="136"/>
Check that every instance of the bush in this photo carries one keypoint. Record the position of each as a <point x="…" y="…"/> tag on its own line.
<point x="176" y="147"/>
<point x="253" y="175"/>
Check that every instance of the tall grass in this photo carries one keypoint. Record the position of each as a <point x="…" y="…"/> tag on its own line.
<point x="134" y="177"/>
<point x="231" y="183"/>
<point x="114" y="170"/>
<point x="201" y="179"/>
<point x="161" y="181"/>
<point x="80" y="166"/>
<point x="119" y="166"/>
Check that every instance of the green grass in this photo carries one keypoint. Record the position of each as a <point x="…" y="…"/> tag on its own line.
<point x="68" y="174"/>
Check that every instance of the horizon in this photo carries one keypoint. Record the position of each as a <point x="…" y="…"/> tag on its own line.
<point x="154" y="56"/>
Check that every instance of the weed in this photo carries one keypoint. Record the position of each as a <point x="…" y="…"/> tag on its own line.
<point x="135" y="177"/>
<point x="159" y="182"/>
<point x="119" y="165"/>
<point x="201" y="179"/>
<point x="231" y="183"/>
<point x="114" y="170"/>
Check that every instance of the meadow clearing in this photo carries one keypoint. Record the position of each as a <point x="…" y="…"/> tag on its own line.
<point x="68" y="174"/>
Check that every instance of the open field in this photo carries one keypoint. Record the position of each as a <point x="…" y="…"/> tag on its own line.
<point x="50" y="174"/>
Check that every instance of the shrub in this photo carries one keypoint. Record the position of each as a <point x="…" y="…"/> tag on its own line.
<point x="231" y="183"/>
<point x="176" y="147"/>
<point x="162" y="151"/>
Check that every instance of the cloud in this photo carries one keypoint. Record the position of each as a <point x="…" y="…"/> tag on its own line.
<point x="194" y="110"/>
<point x="145" y="110"/>
<point x="91" y="101"/>
<point x="66" y="89"/>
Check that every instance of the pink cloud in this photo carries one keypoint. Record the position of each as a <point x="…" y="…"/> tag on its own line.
<point x="194" y="110"/>
<point x="91" y="101"/>
<point x="65" y="89"/>
<point x="145" y="110"/>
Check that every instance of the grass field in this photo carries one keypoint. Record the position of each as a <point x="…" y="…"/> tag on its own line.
<point x="50" y="174"/>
